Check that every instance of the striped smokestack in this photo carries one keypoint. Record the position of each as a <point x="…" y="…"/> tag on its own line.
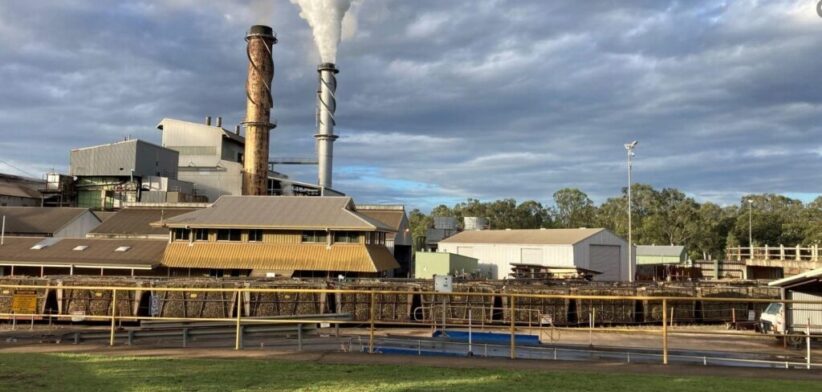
<point x="258" y="109"/>
<point x="326" y="107"/>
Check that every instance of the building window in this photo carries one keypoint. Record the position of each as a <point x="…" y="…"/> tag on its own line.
<point x="346" y="236"/>
<point x="200" y="234"/>
<point x="180" y="234"/>
<point x="255" y="235"/>
<point x="314" y="236"/>
<point x="228" y="235"/>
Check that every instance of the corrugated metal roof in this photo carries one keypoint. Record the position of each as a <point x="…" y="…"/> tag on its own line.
<point x="141" y="253"/>
<point x="18" y="190"/>
<point x="104" y="215"/>
<point x="39" y="220"/>
<point x="808" y="276"/>
<point x="390" y="217"/>
<point x="660" y="250"/>
<point x="528" y="236"/>
<point x="289" y="257"/>
<point x="279" y="212"/>
<point x="137" y="221"/>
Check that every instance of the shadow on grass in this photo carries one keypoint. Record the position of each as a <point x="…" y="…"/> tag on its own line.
<point x="72" y="372"/>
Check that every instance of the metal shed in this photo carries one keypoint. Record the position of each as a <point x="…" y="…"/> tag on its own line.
<point x="497" y="250"/>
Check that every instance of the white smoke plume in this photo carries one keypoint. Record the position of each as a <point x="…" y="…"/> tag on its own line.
<point x="326" y="19"/>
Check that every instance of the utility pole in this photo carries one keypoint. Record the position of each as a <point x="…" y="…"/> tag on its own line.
<point x="750" y="229"/>
<point x="630" y="149"/>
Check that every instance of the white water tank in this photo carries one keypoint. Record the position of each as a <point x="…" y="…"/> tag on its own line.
<point x="475" y="223"/>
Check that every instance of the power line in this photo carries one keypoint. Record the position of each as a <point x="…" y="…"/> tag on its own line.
<point x="18" y="169"/>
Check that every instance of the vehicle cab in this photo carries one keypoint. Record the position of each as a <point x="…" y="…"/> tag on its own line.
<point x="772" y="319"/>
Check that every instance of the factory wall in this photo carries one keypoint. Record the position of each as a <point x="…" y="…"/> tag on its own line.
<point x="603" y="252"/>
<point x="429" y="264"/>
<point x="496" y="259"/>
<point x="613" y="268"/>
<point x="198" y="144"/>
<point x="214" y="182"/>
<point x="14" y="201"/>
<point x="118" y="159"/>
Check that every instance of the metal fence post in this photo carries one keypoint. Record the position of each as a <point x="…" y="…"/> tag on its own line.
<point x="665" y="331"/>
<point x="371" y="331"/>
<point x="513" y="337"/>
<point x="808" y="343"/>
<point x="239" y="331"/>
<point x="113" y="313"/>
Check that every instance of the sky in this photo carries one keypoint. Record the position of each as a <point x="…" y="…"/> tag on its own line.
<point x="440" y="101"/>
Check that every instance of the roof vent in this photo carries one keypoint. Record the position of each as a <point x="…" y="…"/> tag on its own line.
<point x="122" y="249"/>
<point x="80" y="248"/>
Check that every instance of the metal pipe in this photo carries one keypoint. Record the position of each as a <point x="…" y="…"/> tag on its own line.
<point x="3" y="232"/>
<point x="326" y="108"/>
<point x="259" y="102"/>
<point x="113" y="314"/>
<point x="665" y="332"/>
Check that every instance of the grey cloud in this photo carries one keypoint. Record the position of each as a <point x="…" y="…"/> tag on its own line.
<point x="445" y="100"/>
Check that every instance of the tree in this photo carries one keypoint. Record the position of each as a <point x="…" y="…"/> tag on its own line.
<point x="573" y="208"/>
<point x="418" y="223"/>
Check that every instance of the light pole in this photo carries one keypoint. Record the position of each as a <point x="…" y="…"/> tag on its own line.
<point x="750" y="229"/>
<point x="630" y="149"/>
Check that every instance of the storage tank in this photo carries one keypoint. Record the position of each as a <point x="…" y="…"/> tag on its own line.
<point x="475" y="223"/>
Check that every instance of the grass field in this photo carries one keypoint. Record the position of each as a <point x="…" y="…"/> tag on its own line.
<point x="73" y="372"/>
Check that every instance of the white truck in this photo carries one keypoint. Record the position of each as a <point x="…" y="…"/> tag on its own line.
<point x="791" y="321"/>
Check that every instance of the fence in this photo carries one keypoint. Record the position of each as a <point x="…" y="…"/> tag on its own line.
<point x="500" y="311"/>
<point x="781" y="252"/>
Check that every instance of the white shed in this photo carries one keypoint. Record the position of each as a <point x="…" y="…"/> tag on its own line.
<point x="594" y="249"/>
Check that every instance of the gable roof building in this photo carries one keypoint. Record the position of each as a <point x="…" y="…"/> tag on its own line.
<point x="498" y="251"/>
<point x="48" y="222"/>
<point x="283" y="235"/>
<point x="282" y="213"/>
<point x="135" y="222"/>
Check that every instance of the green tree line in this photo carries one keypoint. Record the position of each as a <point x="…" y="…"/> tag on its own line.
<point x="661" y="217"/>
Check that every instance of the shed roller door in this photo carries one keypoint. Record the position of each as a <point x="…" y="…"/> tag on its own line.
<point x="605" y="259"/>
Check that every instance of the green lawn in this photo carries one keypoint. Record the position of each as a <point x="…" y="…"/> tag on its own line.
<point x="71" y="372"/>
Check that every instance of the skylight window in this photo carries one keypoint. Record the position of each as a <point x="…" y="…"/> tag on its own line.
<point x="80" y="248"/>
<point x="122" y="249"/>
<point x="39" y="246"/>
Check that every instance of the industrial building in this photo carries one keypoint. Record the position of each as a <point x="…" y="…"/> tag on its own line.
<point x="428" y="264"/>
<point x="19" y="191"/>
<point x="134" y="222"/>
<point x="657" y="262"/>
<point x="109" y="175"/>
<point x="498" y="250"/>
<point x="799" y="317"/>
<point x="276" y="236"/>
<point x="399" y="241"/>
<point x="80" y="256"/>
<point x="47" y="222"/>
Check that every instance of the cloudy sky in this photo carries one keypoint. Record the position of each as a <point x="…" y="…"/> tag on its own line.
<point x="439" y="101"/>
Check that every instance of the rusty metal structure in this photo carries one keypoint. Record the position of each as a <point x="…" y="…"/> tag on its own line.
<point x="259" y="102"/>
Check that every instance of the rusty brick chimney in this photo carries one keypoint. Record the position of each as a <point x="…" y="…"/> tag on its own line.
<point x="259" y="102"/>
